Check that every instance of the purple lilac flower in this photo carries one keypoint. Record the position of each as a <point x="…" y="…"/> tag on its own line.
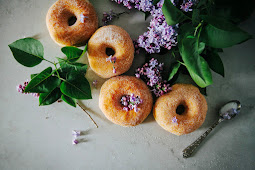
<point x="175" y="120"/>
<point x="131" y="102"/>
<point x="76" y="133"/>
<point x="151" y="74"/>
<point x="112" y="60"/>
<point x="186" y="6"/>
<point x="109" y="16"/>
<point x="21" y="89"/>
<point x="82" y="18"/>
<point x="137" y="48"/>
<point x="159" y="34"/>
<point x="75" y="141"/>
<point x="95" y="83"/>
<point x="230" y="113"/>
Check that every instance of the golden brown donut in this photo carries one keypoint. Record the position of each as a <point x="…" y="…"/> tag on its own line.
<point x="58" y="18"/>
<point x="111" y="94"/>
<point x="117" y="39"/>
<point x="193" y="116"/>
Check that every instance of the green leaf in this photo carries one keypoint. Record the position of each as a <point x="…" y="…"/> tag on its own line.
<point x="220" y="33"/>
<point x="155" y="2"/>
<point x="44" y="82"/>
<point x="201" y="47"/>
<point x="195" y="17"/>
<point x="68" y="100"/>
<point x="76" y="86"/>
<point x="27" y="51"/>
<point x="215" y="62"/>
<point x="203" y="91"/>
<point x="68" y="66"/>
<point x="50" y="97"/>
<point x="72" y="53"/>
<point x="174" y="70"/>
<point x="189" y="50"/>
<point x="236" y="11"/>
<point x="172" y="14"/>
<point x="33" y="75"/>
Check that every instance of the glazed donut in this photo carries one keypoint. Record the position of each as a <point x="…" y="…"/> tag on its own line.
<point x="193" y="116"/>
<point x="83" y="17"/>
<point x="114" y="38"/>
<point x="113" y="91"/>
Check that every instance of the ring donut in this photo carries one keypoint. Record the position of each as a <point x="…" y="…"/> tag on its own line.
<point x="118" y="40"/>
<point x="193" y="115"/>
<point x="114" y="89"/>
<point x="83" y="17"/>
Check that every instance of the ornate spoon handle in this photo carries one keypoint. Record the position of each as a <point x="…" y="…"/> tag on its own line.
<point x="187" y="152"/>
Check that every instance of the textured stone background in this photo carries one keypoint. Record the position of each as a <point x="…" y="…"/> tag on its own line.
<point x="34" y="137"/>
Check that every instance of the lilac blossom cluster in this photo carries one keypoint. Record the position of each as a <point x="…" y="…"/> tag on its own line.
<point x="130" y="102"/>
<point x="112" y="60"/>
<point x="186" y="5"/>
<point x="151" y="74"/>
<point x="109" y="16"/>
<point x="142" y="5"/>
<point x="160" y="34"/>
<point x="21" y="89"/>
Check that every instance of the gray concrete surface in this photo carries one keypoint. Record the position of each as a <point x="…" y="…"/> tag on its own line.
<point x="33" y="137"/>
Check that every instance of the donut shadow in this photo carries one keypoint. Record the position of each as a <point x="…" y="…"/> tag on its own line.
<point x="149" y="119"/>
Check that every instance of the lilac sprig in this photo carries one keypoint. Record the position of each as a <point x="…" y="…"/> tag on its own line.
<point x="21" y="89"/>
<point x="151" y="74"/>
<point x="160" y="34"/>
<point x="130" y="102"/>
<point x="110" y="16"/>
<point x="112" y="60"/>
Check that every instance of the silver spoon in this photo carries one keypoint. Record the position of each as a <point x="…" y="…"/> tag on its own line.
<point x="227" y="112"/>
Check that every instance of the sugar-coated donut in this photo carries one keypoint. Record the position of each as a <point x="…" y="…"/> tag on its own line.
<point x="111" y="94"/>
<point x="58" y="22"/>
<point x="117" y="39"/>
<point x="193" y="116"/>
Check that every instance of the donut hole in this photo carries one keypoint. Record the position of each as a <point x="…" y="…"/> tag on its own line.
<point x="109" y="51"/>
<point x="180" y="110"/>
<point x="72" y="20"/>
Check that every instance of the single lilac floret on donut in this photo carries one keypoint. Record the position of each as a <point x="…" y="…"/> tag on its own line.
<point x="175" y="120"/>
<point x="130" y="102"/>
<point x="112" y="60"/>
<point x="82" y="19"/>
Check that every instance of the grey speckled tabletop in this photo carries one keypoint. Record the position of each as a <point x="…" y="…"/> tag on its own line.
<point x="33" y="137"/>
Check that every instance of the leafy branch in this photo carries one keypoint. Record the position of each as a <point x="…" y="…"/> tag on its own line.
<point x="202" y="34"/>
<point x="67" y="81"/>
